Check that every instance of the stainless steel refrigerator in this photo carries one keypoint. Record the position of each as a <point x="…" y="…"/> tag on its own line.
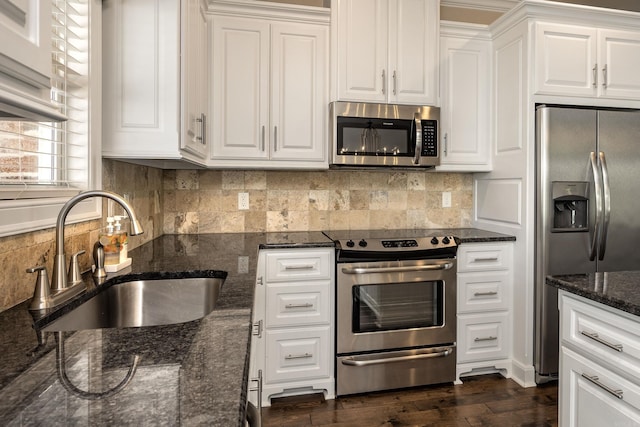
<point x="587" y="206"/>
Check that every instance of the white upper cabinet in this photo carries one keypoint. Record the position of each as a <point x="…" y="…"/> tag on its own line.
<point x="587" y="61"/>
<point x="25" y="59"/>
<point x="465" y="88"/>
<point x="194" y="82"/>
<point x="270" y="91"/>
<point x="154" y="82"/>
<point x="387" y="50"/>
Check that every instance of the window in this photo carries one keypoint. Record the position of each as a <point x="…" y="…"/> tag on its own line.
<point x="44" y="163"/>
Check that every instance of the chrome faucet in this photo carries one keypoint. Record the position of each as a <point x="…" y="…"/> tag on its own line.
<point x="59" y="278"/>
<point x="60" y="284"/>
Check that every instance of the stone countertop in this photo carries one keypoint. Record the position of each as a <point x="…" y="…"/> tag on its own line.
<point x="189" y="374"/>
<point x="620" y="290"/>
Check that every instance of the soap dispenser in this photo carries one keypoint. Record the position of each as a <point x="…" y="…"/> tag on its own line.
<point x="122" y="238"/>
<point x="110" y="243"/>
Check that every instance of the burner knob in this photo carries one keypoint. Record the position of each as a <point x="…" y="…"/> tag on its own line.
<point x="445" y="240"/>
<point x="350" y="243"/>
<point x="362" y="243"/>
<point x="434" y="241"/>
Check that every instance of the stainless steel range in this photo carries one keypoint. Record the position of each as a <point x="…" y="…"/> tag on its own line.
<point x="395" y="309"/>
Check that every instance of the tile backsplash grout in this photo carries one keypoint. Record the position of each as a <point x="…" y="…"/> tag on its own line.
<point x="206" y="201"/>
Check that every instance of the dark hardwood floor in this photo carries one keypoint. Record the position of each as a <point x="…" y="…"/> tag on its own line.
<point x="484" y="400"/>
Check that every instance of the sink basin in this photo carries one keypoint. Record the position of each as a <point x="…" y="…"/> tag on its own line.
<point x="143" y="303"/>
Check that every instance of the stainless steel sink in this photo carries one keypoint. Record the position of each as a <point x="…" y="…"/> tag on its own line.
<point x="143" y="303"/>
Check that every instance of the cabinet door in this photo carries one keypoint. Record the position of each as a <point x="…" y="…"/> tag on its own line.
<point x="194" y="78"/>
<point x="25" y="50"/>
<point x="240" y="99"/>
<point x="566" y="62"/>
<point x="298" y="123"/>
<point x="464" y="94"/>
<point x="592" y="396"/>
<point x="362" y="50"/>
<point x="141" y="79"/>
<point x="619" y="62"/>
<point x="413" y="52"/>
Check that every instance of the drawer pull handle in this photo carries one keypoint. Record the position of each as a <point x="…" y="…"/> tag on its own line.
<point x="299" y="267"/>
<point x="594" y="336"/>
<point x="257" y="329"/>
<point x="486" y="259"/>
<point x="489" y="338"/>
<point x="484" y="294"/>
<point x="298" y="356"/>
<point x="305" y="305"/>
<point x="595" y="380"/>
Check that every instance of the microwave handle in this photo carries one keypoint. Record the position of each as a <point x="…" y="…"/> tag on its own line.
<point x="417" y="122"/>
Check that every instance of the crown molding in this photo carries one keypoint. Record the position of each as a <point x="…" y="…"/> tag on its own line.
<point x="490" y="5"/>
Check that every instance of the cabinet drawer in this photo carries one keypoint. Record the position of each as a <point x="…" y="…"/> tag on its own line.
<point x="299" y="354"/>
<point x="301" y="264"/>
<point x="483" y="291"/>
<point x="484" y="257"/>
<point x="483" y="337"/>
<point x="594" y="330"/>
<point x="298" y="305"/>
<point x="591" y="395"/>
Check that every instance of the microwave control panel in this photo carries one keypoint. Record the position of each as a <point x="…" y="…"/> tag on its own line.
<point x="429" y="138"/>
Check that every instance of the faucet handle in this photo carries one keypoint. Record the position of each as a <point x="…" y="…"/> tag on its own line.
<point x="74" y="276"/>
<point x="41" y="295"/>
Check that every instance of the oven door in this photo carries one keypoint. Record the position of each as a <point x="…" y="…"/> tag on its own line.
<point x="395" y="305"/>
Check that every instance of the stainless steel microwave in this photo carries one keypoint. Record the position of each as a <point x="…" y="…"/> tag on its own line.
<point x="384" y="135"/>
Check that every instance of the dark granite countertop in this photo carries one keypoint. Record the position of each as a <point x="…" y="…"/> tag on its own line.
<point x="619" y="289"/>
<point x="189" y="374"/>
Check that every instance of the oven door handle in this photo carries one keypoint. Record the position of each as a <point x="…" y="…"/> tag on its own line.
<point x="430" y="353"/>
<point x="372" y="270"/>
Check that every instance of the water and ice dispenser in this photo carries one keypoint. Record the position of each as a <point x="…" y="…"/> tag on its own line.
<point x="570" y="206"/>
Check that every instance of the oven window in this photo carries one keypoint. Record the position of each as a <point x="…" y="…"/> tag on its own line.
<point x="398" y="306"/>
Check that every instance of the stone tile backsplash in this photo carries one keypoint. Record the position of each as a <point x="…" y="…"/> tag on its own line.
<point x="206" y="201"/>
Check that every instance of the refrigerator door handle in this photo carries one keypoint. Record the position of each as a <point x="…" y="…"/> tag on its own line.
<point x="606" y="204"/>
<point x="598" y="200"/>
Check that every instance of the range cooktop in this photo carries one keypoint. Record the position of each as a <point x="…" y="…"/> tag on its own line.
<point x="382" y="243"/>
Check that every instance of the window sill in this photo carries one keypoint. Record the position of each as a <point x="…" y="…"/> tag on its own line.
<point x="23" y="216"/>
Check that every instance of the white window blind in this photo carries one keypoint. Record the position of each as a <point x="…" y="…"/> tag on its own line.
<point x="52" y="158"/>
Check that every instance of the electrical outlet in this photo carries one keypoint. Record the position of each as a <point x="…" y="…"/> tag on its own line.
<point x="446" y="199"/>
<point x="243" y="264"/>
<point x="243" y="201"/>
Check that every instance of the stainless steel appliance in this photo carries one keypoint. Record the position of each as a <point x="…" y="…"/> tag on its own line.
<point x="395" y="309"/>
<point x="384" y="135"/>
<point x="588" y="206"/>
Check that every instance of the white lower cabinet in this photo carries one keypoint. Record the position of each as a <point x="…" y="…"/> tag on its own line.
<point x="485" y="281"/>
<point x="292" y="350"/>
<point x="599" y="364"/>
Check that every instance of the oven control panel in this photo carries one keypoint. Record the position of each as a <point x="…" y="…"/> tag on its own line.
<point x="394" y="245"/>
<point x="412" y="243"/>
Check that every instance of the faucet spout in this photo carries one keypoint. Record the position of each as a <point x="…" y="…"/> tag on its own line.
<point x="59" y="279"/>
